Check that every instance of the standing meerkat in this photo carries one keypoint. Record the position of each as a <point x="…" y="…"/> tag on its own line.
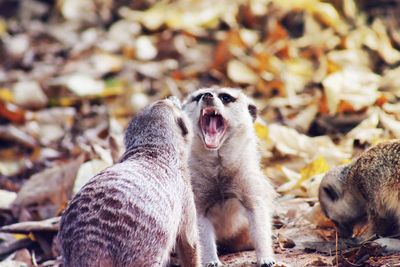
<point x="366" y="189"/>
<point x="132" y="213"/>
<point x="233" y="197"/>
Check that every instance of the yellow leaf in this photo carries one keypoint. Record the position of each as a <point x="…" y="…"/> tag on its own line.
<point x="113" y="89"/>
<point x="154" y="17"/>
<point x="329" y="16"/>
<point x="6" y="94"/>
<point x="31" y="237"/>
<point x="3" y="27"/>
<point x="66" y="101"/>
<point x="241" y="73"/>
<point x="261" y="131"/>
<point x="345" y="161"/>
<point x="20" y="236"/>
<point x="318" y="166"/>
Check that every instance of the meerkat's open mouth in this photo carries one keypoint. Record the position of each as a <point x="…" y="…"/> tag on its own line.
<point x="213" y="126"/>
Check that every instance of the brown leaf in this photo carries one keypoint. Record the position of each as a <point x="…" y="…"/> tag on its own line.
<point x="53" y="185"/>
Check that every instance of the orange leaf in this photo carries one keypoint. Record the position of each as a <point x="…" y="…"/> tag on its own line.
<point x="276" y="33"/>
<point x="222" y="53"/>
<point x="345" y="107"/>
<point x="272" y="88"/>
<point x="323" y="105"/>
<point x="381" y="100"/>
<point x="11" y="112"/>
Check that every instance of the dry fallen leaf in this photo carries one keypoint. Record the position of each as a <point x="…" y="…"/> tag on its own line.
<point x="384" y="46"/>
<point x="12" y="263"/>
<point x="356" y="86"/>
<point x="317" y="217"/>
<point x="145" y="49"/>
<point x="306" y="183"/>
<point x="106" y="63"/>
<point x="86" y="171"/>
<point x="241" y="73"/>
<point x="28" y="94"/>
<point x="285" y="242"/>
<point x="81" y="84"/>
<point x="17" y="45"/>
<point x="367" y="131"/>
<point x="390" y="123"/>
<point x="6" y="199"/>
<point x="288" y="141"/>
<point x="390" y="81"/>
<point x="52" y="185"/>
<point x="48" y="225"/>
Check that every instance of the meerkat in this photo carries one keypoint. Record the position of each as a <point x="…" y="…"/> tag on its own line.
<point x="232" y="195"/>
<point x="365" y="190"/>
<point x="134" y="212"/>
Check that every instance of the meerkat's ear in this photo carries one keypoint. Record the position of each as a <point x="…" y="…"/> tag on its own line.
<point x="253" y="111"/>
<point x="182" y="126"/>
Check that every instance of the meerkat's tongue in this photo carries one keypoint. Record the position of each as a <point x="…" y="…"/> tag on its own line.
<point x="213" y="129"/>
<point x="211" y="137"/>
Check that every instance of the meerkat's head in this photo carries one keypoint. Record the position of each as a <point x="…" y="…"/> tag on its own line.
<point x="159" y="123"/>
<point x="340" y="201"/>
<point x="218" y="113"/>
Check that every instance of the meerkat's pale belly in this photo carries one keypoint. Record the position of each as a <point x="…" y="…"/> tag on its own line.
<point x="228" y="218"/>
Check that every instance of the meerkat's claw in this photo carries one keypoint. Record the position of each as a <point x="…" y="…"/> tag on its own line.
<point x="213" y="264"/>
<point x="266" y="262"/>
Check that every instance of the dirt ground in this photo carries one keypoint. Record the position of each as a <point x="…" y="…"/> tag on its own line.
<point x="309" y="245"/>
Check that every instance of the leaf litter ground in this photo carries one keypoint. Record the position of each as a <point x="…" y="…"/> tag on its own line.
<point x="72" y="73"/>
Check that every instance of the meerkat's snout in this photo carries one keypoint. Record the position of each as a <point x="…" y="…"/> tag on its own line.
<point x="212" y="123"/>
<point x="343" y="206"/>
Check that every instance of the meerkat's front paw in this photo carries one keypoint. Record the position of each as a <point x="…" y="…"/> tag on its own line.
<point x="213" y="264"/>
<point x="266" y="262"/>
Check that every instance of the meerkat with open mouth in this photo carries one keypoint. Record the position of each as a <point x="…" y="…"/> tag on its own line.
<point x="233" y="197"/>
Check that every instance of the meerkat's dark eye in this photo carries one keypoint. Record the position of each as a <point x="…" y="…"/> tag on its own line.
<point x="226" y="98"/>
<point x="253" y="111"/>
<point x="331" y="193"/>
<point x="197" y="98"/>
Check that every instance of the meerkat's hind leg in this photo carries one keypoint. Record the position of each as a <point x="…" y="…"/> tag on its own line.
<point x="261" y="232"/>
<point x="260" y="225"/>
<point x="209" y="256"/>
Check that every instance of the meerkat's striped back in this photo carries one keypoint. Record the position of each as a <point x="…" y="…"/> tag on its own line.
<point x="131" y="214"/>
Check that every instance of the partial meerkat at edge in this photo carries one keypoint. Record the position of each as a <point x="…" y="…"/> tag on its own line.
<point x="134" y="212"/>
<point x="233" y="197"/>
<point x="366" y="190"/>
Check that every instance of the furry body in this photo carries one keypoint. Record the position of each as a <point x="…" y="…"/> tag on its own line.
<point x="233" y="197"/>
<point x="366" y="189"/>
<point x="132" y="213"/>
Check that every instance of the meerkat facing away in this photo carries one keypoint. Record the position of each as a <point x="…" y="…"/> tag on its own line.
<point x="367" y="189"/>
<point x="132" y="213"/>
<point x="233" y="197"/>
